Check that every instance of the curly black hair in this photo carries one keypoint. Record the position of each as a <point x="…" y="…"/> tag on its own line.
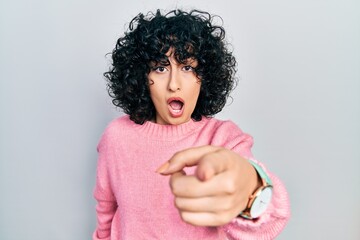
<point x="149" y="38"/>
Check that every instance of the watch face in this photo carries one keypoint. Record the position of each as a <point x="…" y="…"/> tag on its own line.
<point x="261" y="202"/>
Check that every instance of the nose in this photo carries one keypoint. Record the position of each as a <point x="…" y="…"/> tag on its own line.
<point x="174" y="81"/>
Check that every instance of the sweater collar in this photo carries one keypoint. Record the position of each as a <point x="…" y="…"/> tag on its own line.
<point x="171" y="132"/>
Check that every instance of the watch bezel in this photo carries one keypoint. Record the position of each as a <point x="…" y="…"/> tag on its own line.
<point x="247" y="212"/>
<point x="266" y="183"/>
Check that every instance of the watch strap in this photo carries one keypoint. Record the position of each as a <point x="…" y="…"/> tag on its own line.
<point x="261" y="172"/>
<point x="266" y="183"/>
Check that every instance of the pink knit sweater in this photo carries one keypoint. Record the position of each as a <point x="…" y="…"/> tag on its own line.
<point x="134" y="202"/>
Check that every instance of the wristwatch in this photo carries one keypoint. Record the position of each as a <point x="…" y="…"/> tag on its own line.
<point x="260" y="199"/>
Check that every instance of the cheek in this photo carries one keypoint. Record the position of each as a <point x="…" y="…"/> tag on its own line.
<point x="152" y="92"/>
<point x="156" y="96"/>
<point x="194" y="94"/>
<point x="197" y="88"/>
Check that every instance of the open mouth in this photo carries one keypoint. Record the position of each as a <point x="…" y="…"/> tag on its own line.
<point x="176" y="106"/>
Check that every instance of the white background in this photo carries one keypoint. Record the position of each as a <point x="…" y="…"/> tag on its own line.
<point x="298" y="95"/>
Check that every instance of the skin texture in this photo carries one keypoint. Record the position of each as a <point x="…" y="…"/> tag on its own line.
<point x="174" y="80"/>
<point x="217" y="192"/>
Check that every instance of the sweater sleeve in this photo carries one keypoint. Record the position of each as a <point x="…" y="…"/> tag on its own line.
<point x="271" y="223"/>
<point x="106" y="202"/>
<point x="267" y="226"/>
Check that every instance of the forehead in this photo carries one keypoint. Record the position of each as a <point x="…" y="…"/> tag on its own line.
<point x="174" y="56"/>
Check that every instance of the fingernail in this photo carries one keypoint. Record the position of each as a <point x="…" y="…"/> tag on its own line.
<point x="163" y="168"/>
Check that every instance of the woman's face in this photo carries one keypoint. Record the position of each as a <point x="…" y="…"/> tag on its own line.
<point x="174" y="90"/>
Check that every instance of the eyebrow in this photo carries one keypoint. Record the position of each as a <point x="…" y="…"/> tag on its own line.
<point x="191" y="61"/>
<point x="166" y="62"/>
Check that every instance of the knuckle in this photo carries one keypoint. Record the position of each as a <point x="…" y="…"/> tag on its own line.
<point x="176" y="155"/>
<point x="172" y="183"/>
<point x="178" y="159"/>
<point x="176" y="192"/>
<point x="178" y="203"/>
<point x="185" y="217"/>
<point x="174" y="186"/>
<point x="230" y="187"/>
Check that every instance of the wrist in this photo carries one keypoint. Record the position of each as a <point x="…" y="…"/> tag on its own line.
<point x="260" y="197"/>
<point x="256" y="180"/>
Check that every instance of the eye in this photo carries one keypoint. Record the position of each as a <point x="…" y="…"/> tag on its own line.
<point x="188" y="68"/>
<point x="159" y="69"/>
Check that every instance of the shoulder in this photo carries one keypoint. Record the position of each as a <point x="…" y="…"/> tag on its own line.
<point x="117" y="124"/>
<point x="116" y="129"/>
<point x="226" y="132"/>
<point x="227" y="126"/>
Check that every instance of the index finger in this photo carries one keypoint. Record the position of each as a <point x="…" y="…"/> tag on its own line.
<point x="186" y="158"/>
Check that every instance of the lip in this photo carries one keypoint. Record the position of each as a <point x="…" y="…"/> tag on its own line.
<point x="175" y="99"/>
<point x="175" y="113"/>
